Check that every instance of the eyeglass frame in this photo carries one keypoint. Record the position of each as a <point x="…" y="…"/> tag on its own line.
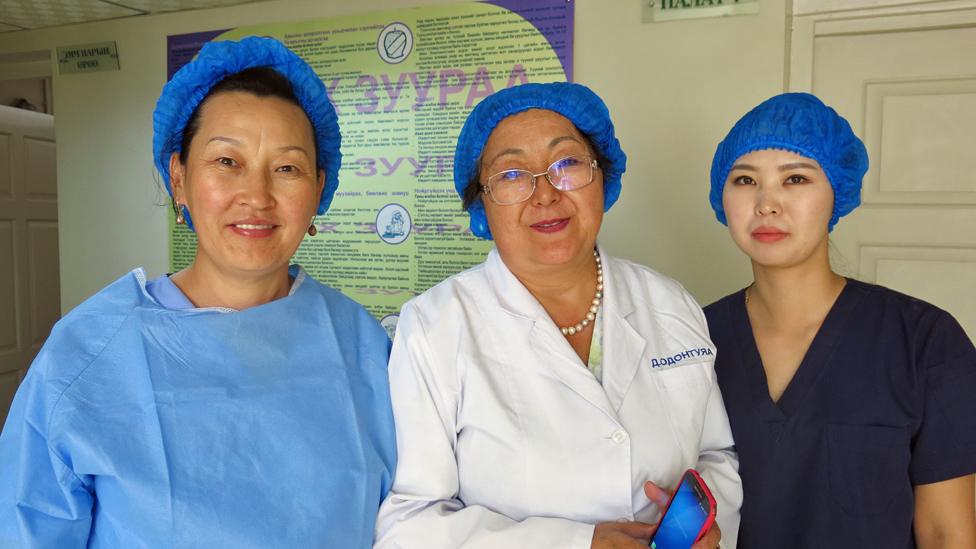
<point x="486" y="188"/>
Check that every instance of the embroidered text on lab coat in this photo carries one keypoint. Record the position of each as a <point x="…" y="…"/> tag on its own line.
<point x="678" y="357"/>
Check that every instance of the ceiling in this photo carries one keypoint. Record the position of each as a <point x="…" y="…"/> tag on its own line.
<point x="18" y="15"/>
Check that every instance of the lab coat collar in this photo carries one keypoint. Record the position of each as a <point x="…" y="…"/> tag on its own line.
<point x="623" y="346"/>
<point x="513" y="297"/>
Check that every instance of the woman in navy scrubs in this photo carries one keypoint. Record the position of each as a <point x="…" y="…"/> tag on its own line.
<point x="853" y="406"/>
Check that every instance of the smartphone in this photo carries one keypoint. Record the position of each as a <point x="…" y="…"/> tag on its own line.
<point x="689" y="514"/>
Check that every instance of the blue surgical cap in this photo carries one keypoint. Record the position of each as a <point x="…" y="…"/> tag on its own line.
<point x="574" y="101"/>
<point x="218" y="60"/>
<point x="799" y="123"/>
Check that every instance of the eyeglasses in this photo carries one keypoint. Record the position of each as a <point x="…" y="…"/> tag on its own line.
<point x="514" y="186"/>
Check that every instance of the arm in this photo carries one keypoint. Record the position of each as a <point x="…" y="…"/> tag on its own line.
<point x="719" y="466"/>
<point x="945" y="515"/>
<point x="423" y="509"/>
<point x="42" y="502"/>
<point x="944" y="447"/>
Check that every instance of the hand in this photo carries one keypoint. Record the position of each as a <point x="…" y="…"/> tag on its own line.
<point x="711" y="538"/>
<point x="661" y="496"/>
<point x="621" y="535"/>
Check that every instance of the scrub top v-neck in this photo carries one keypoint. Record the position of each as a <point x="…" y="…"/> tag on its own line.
<point x="881" y="401"/>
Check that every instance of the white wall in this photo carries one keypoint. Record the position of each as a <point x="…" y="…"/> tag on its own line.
<point x="674" y="90"/>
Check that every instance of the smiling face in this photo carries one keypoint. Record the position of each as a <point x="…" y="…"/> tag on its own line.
<point x="249" y="182"/>
<point x="778" y="205"/>
<point x="552" y="228"/>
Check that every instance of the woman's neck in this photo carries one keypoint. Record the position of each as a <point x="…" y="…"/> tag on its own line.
<point x="798" y="294"/>
<point x="206" y="285"/>
<point x="565" y="291"/>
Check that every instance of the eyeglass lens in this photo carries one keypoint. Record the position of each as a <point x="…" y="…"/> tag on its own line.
<point x="565" y="174"/>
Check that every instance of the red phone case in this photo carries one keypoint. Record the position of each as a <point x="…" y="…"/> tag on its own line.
<point x="711" y="502"/>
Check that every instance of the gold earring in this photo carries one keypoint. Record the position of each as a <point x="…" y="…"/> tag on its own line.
<point x="180" y="219"/>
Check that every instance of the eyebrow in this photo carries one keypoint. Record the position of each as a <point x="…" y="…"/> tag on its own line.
<point x="782" y="168"/>
<point x="239" y="143"/>
<point x="230" y="140"/>
<point x="552" y="144"/>
<point x="288" y="148"/>
<point x="797" y="166"/>
<point x="562" y="138"/>
<point x="503" y="153"/>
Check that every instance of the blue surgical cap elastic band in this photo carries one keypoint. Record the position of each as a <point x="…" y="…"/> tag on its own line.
<point x="218" y="60"/>
<point x="576" y="102"/>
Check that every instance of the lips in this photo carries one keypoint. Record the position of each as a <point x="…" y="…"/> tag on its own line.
<point x="551" y="225"/>
<point x="253" y="227"/>
<point x="769" y="234"/>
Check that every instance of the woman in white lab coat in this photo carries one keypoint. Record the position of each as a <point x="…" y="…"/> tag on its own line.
<point x="543" y="397"/>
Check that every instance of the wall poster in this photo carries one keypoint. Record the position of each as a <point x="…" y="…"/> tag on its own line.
<point x="403" y="83"/>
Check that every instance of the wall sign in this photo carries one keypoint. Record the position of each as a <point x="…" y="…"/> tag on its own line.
<point x="102" y="56"/>
<point x="670" y="10"/>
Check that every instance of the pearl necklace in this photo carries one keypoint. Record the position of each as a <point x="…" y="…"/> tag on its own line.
<point x="594" y="306"/>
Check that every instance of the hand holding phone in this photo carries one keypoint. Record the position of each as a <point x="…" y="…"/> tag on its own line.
<point x="688" y="516"/>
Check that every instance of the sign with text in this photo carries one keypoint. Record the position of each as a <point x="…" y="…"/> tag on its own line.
<point x="103" y="56"/>
<point x="670" y="10"/>
<point x="403" y="82"/>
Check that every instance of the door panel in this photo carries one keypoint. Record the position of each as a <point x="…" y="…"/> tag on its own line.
<point x="8" y="303"/>
<point x="5" y="166"/>
<point x="40" y="169"/>
<point x="42" y="258"/>
<point x="29" y="281"/>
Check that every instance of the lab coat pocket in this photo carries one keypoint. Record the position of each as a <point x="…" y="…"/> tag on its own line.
<point x="683" y="377"/>
<point x="868" y="468"/>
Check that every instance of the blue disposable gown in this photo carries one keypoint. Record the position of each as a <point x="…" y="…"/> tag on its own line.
<point x="141" y="426"/>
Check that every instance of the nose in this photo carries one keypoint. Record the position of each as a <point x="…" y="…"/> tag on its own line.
<point x="545" y="193"/>
<point x="256" y="191"/>
<point x="767" y="203"/>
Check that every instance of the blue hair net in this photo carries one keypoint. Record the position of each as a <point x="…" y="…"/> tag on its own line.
<point x="574" y="101"/>
<point x="218" y="60"/>
<point x="799" y="123"/>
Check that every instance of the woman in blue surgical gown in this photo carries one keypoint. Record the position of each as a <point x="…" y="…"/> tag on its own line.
<point x="852" y="406"/>
<point x="236" y="403"/>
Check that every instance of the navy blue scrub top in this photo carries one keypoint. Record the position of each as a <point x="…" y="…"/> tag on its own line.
<point x="884" y="399"/>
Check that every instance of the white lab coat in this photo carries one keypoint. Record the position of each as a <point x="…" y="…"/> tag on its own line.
<point x="505" y="438"/>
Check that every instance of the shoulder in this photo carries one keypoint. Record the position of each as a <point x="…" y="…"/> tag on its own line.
<point x="893" y="301"/>
<point x="448" y="297"/>
<point x="83" y="333"/>
<point x="897" y="311"/>
<point x="81" y="336"/>
<point x="928" y="328"/>
<point x="343" y="308"/>
<point x="635" y="273"/>
<point x="652" y="289"/>
<point x="335" y="299"/>
<point x="722" y="308"/>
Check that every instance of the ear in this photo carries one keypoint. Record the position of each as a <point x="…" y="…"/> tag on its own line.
<point x="321" y="187"/>
<point x="177" y="176"/>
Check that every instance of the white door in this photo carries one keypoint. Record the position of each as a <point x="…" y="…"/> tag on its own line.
<point x="30" y="293"/>
<point x="905" y="77"/>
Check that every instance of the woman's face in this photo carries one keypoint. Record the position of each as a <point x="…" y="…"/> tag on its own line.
<point x="778" y="205"/>
<point x="249" y="182"/>
<point x="552" y="227"/>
